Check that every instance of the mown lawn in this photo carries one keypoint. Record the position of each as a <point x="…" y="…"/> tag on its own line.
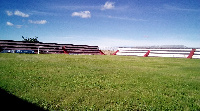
<point x="87" y="82"/>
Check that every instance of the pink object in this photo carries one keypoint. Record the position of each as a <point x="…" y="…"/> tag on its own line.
<point x="101" y="52"/>
<point x="64" y="50"/>
<point x="147" y="54"/>
<point x="115" y="52"/>
<point x="191" y="53"/>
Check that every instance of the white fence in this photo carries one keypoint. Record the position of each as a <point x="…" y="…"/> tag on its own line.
<point x="178" y="53"/>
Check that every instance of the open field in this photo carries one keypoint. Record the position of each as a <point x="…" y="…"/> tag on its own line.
<point x="82" y="82"/>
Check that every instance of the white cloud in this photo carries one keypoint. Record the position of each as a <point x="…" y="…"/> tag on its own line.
<point x="9" y="13"/>
<point x="176" y="8"/>
<point x="42" y="13"/>
<point x="9" y="23"/>
<point x="19" y="13"/>
<point x="78" y="7"/>
<point x="18" y="26"/>
<point x="126" y="18"/>
<point x="108" y="5"/>
<point x="38" y="22"/>
<point x="82" y="14"/>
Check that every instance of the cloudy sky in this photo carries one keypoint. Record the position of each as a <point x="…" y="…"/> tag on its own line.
<point x="105" y="23"/>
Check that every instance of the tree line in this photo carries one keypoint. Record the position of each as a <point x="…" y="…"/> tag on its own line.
<point x="32" y="40"/>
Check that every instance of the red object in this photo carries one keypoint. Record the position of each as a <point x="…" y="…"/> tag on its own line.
<point x="191" y="53"/>
<point x="101" y="52"/>
<point x="147" y="54"/>
<point x="64" y="50"/>
<point x="115" y="52"/>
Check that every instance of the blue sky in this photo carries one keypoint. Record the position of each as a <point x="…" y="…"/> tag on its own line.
<point x="105" y="23"/>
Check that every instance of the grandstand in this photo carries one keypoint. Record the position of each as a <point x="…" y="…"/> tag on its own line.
<point x="49" y="48"/>
<point x="177" y="51"/>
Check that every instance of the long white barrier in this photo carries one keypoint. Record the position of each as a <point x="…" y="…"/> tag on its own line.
<point x="177" y="53"/>
<point x="196" y="54"/>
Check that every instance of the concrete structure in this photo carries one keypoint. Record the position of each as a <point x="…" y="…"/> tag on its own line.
<point x="146" y="52"/>
<point x="49" y="48"/>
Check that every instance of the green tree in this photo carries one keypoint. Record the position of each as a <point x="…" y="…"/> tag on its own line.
<point x="33" y="40"/>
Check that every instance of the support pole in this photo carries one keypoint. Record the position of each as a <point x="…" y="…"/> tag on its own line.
<point x="115" y="52"/>
<point x="65" y="51"/>
<point x="147" y="54"/>
<point x="38" y="50"/>
<point x="101" y="52"/>
<point x="191" y="54"/>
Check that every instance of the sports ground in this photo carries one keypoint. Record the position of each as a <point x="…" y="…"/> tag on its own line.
<point x="96" y="82"/>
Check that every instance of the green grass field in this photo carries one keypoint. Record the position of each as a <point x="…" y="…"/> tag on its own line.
<point x="82" y="82"/>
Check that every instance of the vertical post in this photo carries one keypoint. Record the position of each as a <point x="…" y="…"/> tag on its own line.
<point x="39" y="50"/>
